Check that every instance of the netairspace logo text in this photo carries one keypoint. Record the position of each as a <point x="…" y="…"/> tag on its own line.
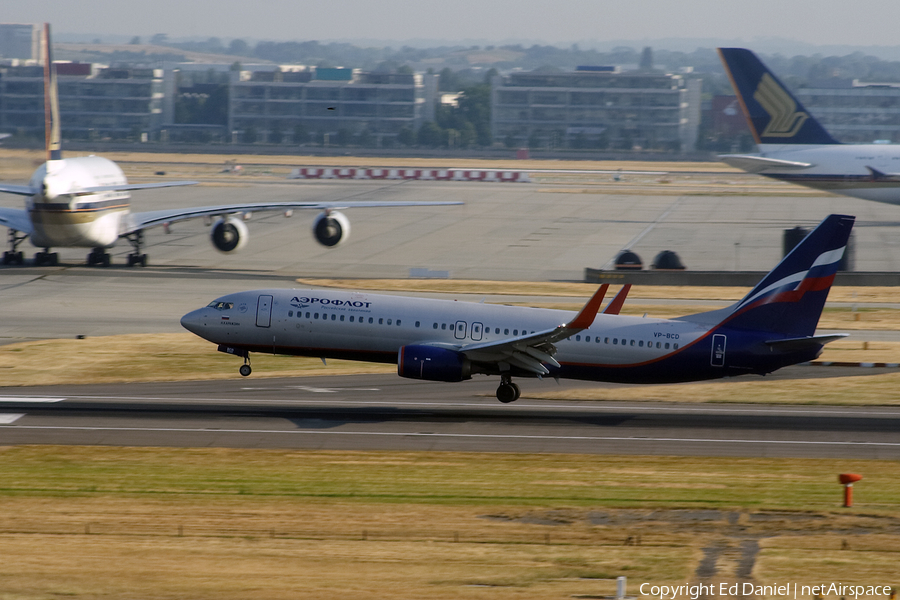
<point x="789" y="590"/>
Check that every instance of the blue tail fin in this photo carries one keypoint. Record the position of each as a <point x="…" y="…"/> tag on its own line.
<point x="789" y="300"/>
<point x="774" y="114"/>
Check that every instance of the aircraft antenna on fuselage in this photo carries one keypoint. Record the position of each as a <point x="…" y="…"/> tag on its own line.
<point x="51" y="101"/>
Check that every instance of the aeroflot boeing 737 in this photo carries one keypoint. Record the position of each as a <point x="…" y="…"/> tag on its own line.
<point x="439" y="340"/>
<point x="794" y="147"/>
<point x="83" y="203"/>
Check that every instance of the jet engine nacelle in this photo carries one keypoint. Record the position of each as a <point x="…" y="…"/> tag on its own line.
<point x="331" y="228"/>
<point x="433" y="364"/>
<point x="229" y="234"/>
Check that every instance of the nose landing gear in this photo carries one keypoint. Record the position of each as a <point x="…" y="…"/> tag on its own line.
<point x="245" y="369"/>
<point x="507" y="391"/>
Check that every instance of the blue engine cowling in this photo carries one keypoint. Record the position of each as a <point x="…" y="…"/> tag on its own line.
<point x="432" y="364"/>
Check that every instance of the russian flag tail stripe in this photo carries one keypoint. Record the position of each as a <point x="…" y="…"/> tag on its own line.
<point x="789" y="300"/>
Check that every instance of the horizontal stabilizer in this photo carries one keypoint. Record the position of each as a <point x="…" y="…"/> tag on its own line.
<point x="802" y="343"/>
<point x="754" y="163"/>
<point x="881" y="176"/>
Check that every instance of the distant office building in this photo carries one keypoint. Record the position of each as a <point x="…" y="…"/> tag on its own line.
<point x="20" y="41"/>
<point x="596" y="107"/>
<point x="95" y="103"/>
<point x="333" y="104"/>
<point x="854" y="111"/>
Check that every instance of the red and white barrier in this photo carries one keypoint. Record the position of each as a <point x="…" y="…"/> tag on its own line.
<point x="492" y="175"/>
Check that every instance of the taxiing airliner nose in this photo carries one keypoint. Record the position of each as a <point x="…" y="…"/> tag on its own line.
<point x="194" y="321"/>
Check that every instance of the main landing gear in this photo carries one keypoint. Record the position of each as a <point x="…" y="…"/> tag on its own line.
<point x="14" y="256"/>
<point x="50" y="259"/>
<point x="508" y="391"/>
<point x="136" y="240"/>
<point x="98" y="256"/>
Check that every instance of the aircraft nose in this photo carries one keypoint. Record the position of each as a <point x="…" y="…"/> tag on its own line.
<point x="194" y="321"/>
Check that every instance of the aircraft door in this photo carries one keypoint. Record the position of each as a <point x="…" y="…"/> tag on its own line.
<point x="460" y="331"/>
<point x="476" y="332"/>
<point x="264" y="311"/>
<point x="717" y="359"/>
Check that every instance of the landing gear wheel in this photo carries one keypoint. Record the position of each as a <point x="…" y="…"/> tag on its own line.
<point x="46" y="258"/>
<point x="136" y="239"/>
<point x="508" y="392"/>
<point x="245" y="370"/>
<point x="13" y="256"/>
<point x="137" y="259"/>
<point x="98" y="257"/>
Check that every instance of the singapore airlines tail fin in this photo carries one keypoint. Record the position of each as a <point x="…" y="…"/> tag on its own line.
<point x="775" y="116"/>
<point x="787" y="303"/>
<point x="51" y="101"/>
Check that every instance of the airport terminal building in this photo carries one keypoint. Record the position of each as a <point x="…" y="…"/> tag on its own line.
<point x="853" y="111"/>
<point x="95" y="103"/>
<point x="328" y="105"/>
<point x="597" y="107"/>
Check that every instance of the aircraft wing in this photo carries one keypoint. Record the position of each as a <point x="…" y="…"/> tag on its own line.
<point x="753" y="163"/>
<point x="530" y="351"/>
<point x="27" y="190"/>
<point x="21" y="190"/>
<point x="143" y="220"/>
<point x="127" y="187"/>
<point x="15" y="218"/>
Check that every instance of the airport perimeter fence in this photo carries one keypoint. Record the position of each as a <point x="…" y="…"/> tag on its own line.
<point x="531" y="535"/>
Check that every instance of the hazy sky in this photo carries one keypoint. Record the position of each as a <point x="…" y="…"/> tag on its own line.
<point x="861" y="22"/>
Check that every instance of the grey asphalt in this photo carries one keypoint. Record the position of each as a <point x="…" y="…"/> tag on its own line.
<point x="536" y="232"/>
<point x="384" y="412"/>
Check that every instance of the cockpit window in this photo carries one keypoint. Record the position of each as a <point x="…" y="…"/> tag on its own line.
<point x="220" y="305"/>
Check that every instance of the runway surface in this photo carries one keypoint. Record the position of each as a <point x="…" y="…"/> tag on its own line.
<point x="384" y="412"/>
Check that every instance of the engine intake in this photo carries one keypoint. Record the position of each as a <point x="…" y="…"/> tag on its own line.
<point x="331" y="228"/>
<point x="229" y="234"/>
<point x="432" y="364"/>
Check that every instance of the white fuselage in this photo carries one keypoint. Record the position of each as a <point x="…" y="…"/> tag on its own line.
<point x="64" y="215"/>
<point x="374" y="327"/>
<point x="840" y="168"/>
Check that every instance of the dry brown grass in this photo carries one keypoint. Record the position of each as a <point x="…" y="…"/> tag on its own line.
<point x="149" y="357"/>
<point x="245" y="524"/>
<point x="185" y="357"/>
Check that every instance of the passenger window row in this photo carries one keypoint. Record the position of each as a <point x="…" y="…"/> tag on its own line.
<point x="451" y="327"/>
<point x="351" y="319"/>
<point x="624" y="342"/>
